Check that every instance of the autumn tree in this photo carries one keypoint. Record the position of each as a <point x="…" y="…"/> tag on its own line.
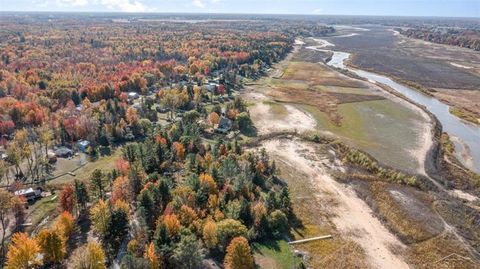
<point x="172" y="224"/>
<point x="179" y="150"/>
<point x="210" y="234"/>
<point x="228" y="229"/>
<point x="23" y="252"/>
<point x="132" y="116"/>
<point x="6" y="206"/>
<point x="67" y="199"/>
<point x="51" y="245"/>
<point x="19" y="212"/>
<point x="213" y="118"/>
<point x="65" y="224"/>
<point x="89" y="256"/>
<point x="152" y="257"/>
<point x="100" y="216"/>
<point x="121" y="189"/>
<point x="239" y="255"/>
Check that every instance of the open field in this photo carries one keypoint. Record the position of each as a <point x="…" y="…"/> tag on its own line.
<point x="352" y="110"/>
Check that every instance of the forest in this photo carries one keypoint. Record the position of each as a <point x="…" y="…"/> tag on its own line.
<point x="161" y="93"/>
<point x="466" y="38"/>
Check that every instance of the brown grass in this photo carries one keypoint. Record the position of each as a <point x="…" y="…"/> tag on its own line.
<point x="413" y="222"/>
<point x="317" y="74"/>
<point x="434" y="253"/>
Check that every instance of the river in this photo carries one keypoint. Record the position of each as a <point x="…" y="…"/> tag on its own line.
<point x="465" y="136"/>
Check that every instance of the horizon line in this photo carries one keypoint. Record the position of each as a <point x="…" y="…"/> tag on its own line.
<point x="229" y="13"/>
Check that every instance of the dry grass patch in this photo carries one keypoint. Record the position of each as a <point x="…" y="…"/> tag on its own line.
<point x="318" y="74"/>
<point x="441" y="252"/>
<point x="407" y="212"/>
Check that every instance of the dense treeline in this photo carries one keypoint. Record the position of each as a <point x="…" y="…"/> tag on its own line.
<point x="467" y="38"/>
<point x="175" y="199"/>
<point x="183" y="191"/>
<point x="70" y="79"/>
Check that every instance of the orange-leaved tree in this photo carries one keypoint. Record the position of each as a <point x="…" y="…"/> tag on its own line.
<point x="239" y="255"/>
<point x="67" y="199"/>
<point x="153" y="259"/>
<point x="65" y="225"/>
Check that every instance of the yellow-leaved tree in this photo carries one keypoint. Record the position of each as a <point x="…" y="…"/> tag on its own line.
<point x="210" y="234"/>
<point x="239" y="255"/>
<point x="23" y="252"/>
<point x="51" y="245"/>
<point x="89" y="256"/>
<point x="100" y="216"/>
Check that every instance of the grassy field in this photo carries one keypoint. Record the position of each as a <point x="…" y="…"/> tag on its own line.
<point x="275" y="255"/>
<point x="105" y="163"/>
<point x="38" y="212"/>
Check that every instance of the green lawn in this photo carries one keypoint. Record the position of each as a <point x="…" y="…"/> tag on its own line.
<point x="274" y="254"/>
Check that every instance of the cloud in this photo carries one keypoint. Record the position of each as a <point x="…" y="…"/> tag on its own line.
<point x="123" y="5"/>
<point x="114" y="5"/>
<point x="318" y="11"/>
<point x="198" y="3"/>
<point x="73" y="3"/>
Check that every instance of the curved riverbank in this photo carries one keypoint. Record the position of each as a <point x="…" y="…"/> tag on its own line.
<point x="468" y="134"/>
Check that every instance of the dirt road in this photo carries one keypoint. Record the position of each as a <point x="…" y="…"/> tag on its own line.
<point x="353" y="217"/>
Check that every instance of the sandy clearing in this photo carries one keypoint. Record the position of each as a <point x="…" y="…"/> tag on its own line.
<point x="267" y="121"/>
<point x="424" y="142"/>
<point x="461" y="66"/>
<point x="299" y="42"/>
<point x="322" y="43"/>
<point x="463" y="195"/>
<point x="353" y="217"/>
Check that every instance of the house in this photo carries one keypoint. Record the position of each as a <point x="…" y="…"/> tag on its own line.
<point x="211" y="87"/>
<point x="83" y="145"/>
<point x="223" y="126"/>
<point x="29" y="194"/>
<point x="133" y="96"/>
<point x="63" y="152"/>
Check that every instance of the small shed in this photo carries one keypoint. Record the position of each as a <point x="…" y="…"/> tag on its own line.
<point x="63" y="152"/>
<point x="83" y="145"/>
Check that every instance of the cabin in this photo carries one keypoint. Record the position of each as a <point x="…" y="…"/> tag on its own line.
<point x="63" y="152"/>
<point x="223" y="126"/>
<point x="29" y="194"/>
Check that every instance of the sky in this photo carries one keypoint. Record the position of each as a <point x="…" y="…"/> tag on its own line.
<point x="447" y="8"/>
